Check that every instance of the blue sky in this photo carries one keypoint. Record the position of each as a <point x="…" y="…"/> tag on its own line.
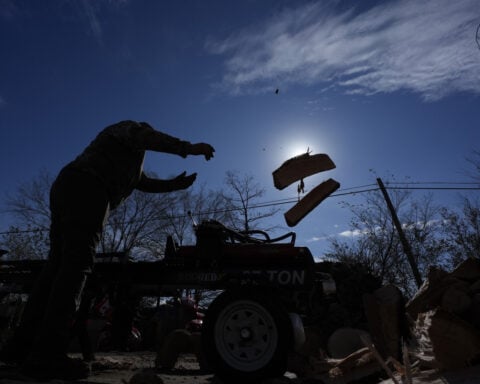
<point x="391" y="86"/>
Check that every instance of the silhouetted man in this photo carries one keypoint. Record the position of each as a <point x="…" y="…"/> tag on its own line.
<point x="97" y="181"/>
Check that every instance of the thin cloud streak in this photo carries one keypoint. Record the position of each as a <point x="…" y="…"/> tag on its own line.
<point x="93" y="20"/>
<point x="355" y="233"/>
<point x="348" y="233"/>
<point x="427" y="47"/>
<point x="91" y="9"/>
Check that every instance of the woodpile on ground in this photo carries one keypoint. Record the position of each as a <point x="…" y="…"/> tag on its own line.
<point x="446" y="312"/>
<point x="437" y="332"/>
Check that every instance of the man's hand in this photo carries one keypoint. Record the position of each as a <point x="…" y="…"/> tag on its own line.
<point x="182" y="181"/>
<point x="202" y="149"/>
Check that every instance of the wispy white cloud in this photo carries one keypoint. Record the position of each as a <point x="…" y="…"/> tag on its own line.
<point x="352" y="233"/>
<point x="356" y="233"/>
<point x="91" y="9"/>
<point x="92" y="18"/>
<point x="348" y="233"/>
<point x="317" y="238"/>
<point x="427" y="47"/>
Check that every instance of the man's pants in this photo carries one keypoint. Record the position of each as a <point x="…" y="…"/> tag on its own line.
<point x="79" y="208"/>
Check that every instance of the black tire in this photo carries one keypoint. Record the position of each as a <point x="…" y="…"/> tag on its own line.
<point x="246" y="336"/>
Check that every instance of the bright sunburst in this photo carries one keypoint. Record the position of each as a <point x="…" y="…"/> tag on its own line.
<point x="297" y="148"/>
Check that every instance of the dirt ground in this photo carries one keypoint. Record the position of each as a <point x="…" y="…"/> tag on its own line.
<point x="124" y="367"/>
<point x="138" y="368"/>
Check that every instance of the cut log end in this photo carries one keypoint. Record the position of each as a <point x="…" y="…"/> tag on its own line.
<point x="310" y="201"/>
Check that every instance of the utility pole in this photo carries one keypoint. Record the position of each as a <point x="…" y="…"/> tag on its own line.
<point x="401" y="234"/>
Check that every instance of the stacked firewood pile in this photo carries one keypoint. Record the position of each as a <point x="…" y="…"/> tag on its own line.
<point x="446" y="311"/>
<point x="438" y="330"/>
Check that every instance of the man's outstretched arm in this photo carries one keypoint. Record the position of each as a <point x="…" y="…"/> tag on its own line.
<point x="161" y="142"/>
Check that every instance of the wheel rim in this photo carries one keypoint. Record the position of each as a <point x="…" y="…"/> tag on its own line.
<point x="246" y="335"/>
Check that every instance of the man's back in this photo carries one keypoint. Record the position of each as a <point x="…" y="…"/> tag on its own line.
<point x="115" y="157"/>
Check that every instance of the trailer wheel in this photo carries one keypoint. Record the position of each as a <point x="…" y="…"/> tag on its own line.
<point x="246" y="336"/>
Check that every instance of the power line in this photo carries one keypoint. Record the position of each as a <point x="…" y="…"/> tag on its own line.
<point x="358" y="187"/>
<point x="342" y="192"/>
<point x="438" y="188"/>
<point x="433" y="182"/>
<point x="354" y="192"/>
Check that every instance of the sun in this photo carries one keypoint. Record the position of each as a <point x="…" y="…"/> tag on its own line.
<point x="300" y="139"/>
<point x="298" y="148"/>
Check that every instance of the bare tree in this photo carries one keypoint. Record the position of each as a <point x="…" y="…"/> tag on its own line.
<point x="462" y="231"/>
<point x="375" y="242"/>
<point x="195" y="204"/>
<point x="474" y="161"/>
<point x="30" y="208"/>
<point x="423" y="229"/>
<point x="25" y="243"/>
<point x="462" y="226"/>
<point x="243" y="192"/>
<point x="129" y="227"/>
<point x="30" y="203"/>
